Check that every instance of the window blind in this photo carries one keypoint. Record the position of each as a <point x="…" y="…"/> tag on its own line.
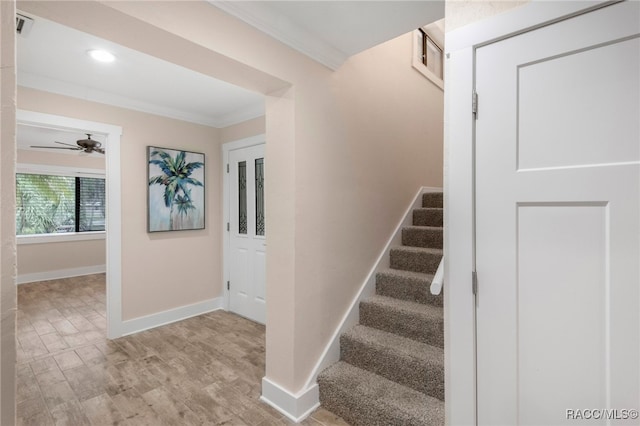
<point x="47" y="204"/>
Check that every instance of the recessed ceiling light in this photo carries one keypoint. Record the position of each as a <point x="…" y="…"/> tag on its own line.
<point x="101" y="55"/>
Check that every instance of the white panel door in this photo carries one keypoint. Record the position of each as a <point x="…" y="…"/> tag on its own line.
<point x="247" y="242"/>
<point x="558" y="222"/>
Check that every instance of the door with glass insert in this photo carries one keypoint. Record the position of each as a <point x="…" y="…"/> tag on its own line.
<point x="247" y="233"/>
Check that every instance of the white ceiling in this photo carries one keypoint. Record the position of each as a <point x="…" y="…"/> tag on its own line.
<point x="331" y="31"/>
<point x="53" y="57"/>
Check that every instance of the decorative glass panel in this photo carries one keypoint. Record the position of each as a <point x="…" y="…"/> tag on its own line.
<point x="242" y="196"/>
<point x="260" y="196"/>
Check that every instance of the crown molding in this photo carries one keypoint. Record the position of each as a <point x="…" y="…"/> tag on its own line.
<point x="64" y="88"/>
<point x="238" y="116"/>
<point x="265" y="19"/>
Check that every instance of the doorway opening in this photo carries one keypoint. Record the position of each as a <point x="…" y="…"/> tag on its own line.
<point x="111" y="136"/>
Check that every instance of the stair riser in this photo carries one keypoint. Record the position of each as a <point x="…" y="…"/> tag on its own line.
<point x="359" y="411"/>
<point x="432" y="199"/>
<point x="425" y="377"/>
<point x="428" y="217"/>
<point x="425" y="330"/>
<point x="414" y="261"/>
<point x="422" y="237"/>
<point x="406" y="289"/>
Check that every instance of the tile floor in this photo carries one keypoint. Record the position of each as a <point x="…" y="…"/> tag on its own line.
<point x="205" y="370"/>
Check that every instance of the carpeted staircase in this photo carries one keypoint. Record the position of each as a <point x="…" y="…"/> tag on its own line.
<point x="391" y="368"/>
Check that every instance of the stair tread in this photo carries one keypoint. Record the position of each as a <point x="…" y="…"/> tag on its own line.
<point x="428" y="216"/>
<point x="417" y="249"/>
<point x="417" y="321"/>
<point x="415" y="308"/>
<point x="421" y="276"/>
<point x="432" y="199"/>
<point x="376" y="396"/>
<point x="423" y="228"/>
<point x="418" y="259"/>
<point x="406" y="285"/>
<point x="411" y="363"/>
<point x="396" y="343"/>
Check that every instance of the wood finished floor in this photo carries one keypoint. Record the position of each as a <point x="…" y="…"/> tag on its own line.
<point x="205" y="370"/>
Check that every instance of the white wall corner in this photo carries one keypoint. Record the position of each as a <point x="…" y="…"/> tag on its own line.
<point x="169" y="316"/>
<point x="331" y="353"/>
<point x="295" y="406"/>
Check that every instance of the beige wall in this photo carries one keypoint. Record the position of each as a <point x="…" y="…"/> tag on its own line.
<point x="162" y="270"/>
<point x="385" y="123"/>
<point x="50" y="257"/>
<point x="242" y="130"/>
<point x="347" y="150"/>
<point x="459" y="13"/>
<point x="7" y="212"/>
<point x="26" y="156"/>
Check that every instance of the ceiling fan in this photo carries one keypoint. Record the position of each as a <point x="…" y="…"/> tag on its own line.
<point x="86" y="145"/>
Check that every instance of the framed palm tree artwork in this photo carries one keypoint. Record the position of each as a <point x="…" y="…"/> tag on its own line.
<point x="176" y="199"/>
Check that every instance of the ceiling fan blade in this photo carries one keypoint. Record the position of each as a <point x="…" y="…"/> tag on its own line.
<point x="68" y="144"/>
<point x="100" y="150"/>
<point x="53" y="147"/>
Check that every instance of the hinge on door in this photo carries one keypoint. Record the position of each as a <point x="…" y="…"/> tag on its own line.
<point x="227" y="167"/>
<point x="228" y="285"/>
<point x="228" y="227"/>
<point x="474" y="104"/>
<point x="474" y="282"/>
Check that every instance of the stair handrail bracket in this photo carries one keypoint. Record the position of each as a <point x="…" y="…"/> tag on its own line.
<point x="438" y="279"/>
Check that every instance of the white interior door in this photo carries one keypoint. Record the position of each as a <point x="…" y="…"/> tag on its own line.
<point x="247" y="242"/>
<point x="558" y="222"/>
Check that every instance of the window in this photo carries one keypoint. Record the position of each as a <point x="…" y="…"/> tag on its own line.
<point x="431" y="54"/>
<point x="53" y="204"/>
<point x="428" y="52"/>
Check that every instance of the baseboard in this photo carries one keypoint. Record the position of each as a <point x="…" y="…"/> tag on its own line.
<point x="136" y="325"/>
<point x="60" y="273"/>
<point x="295" y="407"/>
<point x="331" y="353"/>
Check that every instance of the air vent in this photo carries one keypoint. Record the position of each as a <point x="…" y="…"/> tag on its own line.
<point x="23" y="24"/>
